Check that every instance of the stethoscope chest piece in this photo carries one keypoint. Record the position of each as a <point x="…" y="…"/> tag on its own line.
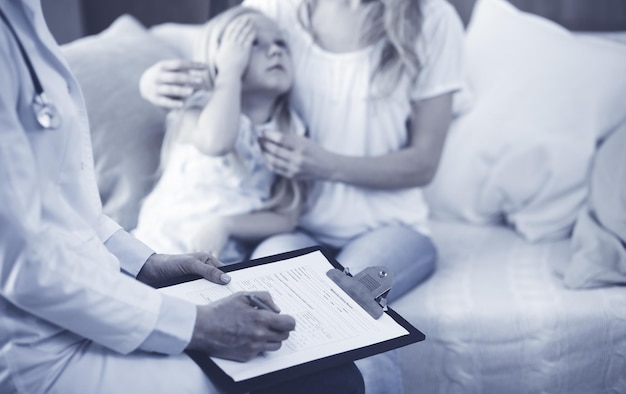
<point x="46" y="113"/>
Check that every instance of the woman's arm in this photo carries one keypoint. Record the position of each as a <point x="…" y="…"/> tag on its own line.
<point x="415" y="165"/>
<point x="252" y="227"/>
<point x="257" y="226"/>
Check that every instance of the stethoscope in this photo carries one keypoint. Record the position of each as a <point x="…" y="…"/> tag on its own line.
<point x="46" y="113"/>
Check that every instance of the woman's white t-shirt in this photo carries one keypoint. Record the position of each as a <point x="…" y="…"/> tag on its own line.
<point x="333" y="96"/>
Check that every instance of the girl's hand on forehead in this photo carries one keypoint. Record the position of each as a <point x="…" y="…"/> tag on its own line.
<point x="233" y="53"/>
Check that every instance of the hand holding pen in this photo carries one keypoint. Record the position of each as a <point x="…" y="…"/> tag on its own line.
<point x="238" y="328"/>
<point x="258" y="303"/>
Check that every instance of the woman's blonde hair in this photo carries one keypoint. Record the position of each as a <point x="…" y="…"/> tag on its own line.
<point x="397" y="25"/>
<point x="287" y="193"/>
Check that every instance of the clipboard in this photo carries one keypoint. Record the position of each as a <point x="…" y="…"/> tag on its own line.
<point x="226" y="382"/>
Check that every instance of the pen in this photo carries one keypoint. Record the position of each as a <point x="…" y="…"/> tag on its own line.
<point x="258" y="303"/>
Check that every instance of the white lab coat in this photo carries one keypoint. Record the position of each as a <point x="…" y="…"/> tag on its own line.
<point x="70" y="321"/>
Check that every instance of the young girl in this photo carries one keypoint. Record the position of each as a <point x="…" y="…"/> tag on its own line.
<point x="216" y="193"/>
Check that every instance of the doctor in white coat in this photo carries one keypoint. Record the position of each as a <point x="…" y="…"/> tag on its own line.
<point x="74" y="313"/>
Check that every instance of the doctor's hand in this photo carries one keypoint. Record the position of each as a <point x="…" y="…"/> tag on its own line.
<point x="160" y="267"/>
<point x="168" y="83"/>
<point x="233" y="329"/>
<point x="295" y="156"/>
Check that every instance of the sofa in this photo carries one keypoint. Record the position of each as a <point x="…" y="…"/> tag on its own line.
<point x="528" y="206"/>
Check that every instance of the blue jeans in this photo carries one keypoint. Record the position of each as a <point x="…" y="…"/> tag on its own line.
<point x="409" y="255"/>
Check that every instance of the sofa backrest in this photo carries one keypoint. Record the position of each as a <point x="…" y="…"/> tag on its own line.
<point x="578" y="15"/>
<point x="118" y="113"/>
<point x="70" y="19"/>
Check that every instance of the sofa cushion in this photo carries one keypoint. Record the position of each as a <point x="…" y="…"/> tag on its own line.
<point x="498" y="321"/>
<point x="599" y="240"/>
<point x="543" y="97"/>
<point x="126" y="130"/>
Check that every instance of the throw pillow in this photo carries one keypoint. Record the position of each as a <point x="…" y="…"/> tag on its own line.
<point x="543" y="97"/>
<point x="126" y="130"/>
<point x="599" y="240"/>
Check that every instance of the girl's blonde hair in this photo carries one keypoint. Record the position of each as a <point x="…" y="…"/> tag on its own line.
<point x="287" y="193"/>
<point x="208" y="42"/>
<point x="395" y="23"/>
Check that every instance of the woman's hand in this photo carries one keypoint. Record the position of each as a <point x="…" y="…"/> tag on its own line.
<point x="233" y="53"/>
<point x="411" y="166"/>
<point x="212" y="236"/>
<point x="295" y="156"/>
<point x="168" y="83"/>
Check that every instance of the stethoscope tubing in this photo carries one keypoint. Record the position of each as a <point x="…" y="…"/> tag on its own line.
<point x="46" y="113"/>
<point x="29" y="65"/>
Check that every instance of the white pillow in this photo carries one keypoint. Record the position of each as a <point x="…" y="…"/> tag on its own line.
<point x="180" y="36"/>
<point x="543" y="97"/>
<point x="126" y="130"/>
<point x="599" y="240"/>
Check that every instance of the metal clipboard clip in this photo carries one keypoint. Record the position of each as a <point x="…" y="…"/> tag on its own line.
<point x="369" y="288"/>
